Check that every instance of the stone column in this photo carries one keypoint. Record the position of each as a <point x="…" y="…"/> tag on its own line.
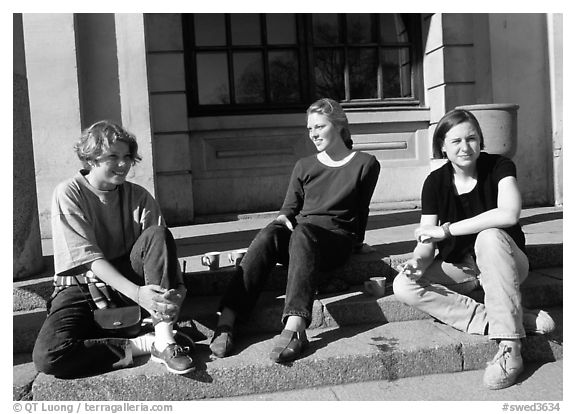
<point x="521" y="74"/>
<point x="52" y="75"/>
<point x="133" y="85"/>
<point x="26" y="243"/>
<point x="555" y="46"/>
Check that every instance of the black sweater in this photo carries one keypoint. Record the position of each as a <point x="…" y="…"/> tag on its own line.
<point x="335" y="198"/>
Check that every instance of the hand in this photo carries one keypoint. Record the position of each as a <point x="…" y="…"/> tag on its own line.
<point x="176" y="296"/>
<point x="429" y="234"/>
<point x="153" y="299"/>
<point x="412" y="268"/>
<point x="285" y="221"/>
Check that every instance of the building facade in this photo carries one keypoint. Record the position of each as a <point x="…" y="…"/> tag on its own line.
<point x="218" y="101"/>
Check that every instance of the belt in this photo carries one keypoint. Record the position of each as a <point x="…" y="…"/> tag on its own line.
<point x="98" y="291"/>
<point x="83" y="278"/>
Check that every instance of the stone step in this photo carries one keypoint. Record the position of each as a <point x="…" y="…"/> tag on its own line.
<point x="359" y="268"/>
<point x="30" y="295"/>
<point x="336" y="355"/>
<point x="390" y="234"/>
<point x="542" y="289"/>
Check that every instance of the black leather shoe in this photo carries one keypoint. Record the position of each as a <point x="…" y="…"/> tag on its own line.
<point x="289" y="346"/>
<point x="222" y="341"/>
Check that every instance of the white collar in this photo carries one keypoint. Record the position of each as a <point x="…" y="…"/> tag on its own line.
<point x="329" y="162"/>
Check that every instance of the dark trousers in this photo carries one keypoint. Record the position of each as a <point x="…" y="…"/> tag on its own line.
<point x="307" y="250"/>
<point x="70" y="344"/>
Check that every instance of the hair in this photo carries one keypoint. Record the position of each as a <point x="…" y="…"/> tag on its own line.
<point x="449" y="121"/>
<point x="97" y="138"/>
<point x="335" y="114"/>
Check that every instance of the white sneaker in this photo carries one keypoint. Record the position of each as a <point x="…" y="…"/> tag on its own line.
<point x="537" y="321"/>
<point x="504" y="369"/>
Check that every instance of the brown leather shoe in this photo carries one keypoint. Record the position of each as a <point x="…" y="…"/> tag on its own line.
<point x="174" y="357"/>
<point x="288" y="346"/>
<point x="222" y="341"/>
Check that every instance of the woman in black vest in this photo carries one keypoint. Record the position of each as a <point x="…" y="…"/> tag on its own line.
<point x="470" y="212"/>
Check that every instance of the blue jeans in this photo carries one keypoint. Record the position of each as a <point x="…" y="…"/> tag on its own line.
<point x="500" y="267"/>
<point x="307" y="250"/>
<point x="70" y="344"/>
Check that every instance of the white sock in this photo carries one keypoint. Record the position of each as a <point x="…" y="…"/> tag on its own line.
<point x="142" y="345"/>
<point x="164" y="335"/>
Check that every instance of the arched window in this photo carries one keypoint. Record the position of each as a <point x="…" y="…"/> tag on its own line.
<point x="266" y="63"/>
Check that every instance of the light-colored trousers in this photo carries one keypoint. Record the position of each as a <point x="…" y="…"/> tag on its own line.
<point x="500" y="267"/>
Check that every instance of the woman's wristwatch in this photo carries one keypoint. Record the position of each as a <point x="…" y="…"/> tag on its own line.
<point x="446" y="228"/>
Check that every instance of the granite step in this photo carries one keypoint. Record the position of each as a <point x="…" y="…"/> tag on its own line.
<point x="336" y="355"/>
<point x="542" y="289"/>
<point x="389" y="234"/>
<point x="359" y="268"/>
